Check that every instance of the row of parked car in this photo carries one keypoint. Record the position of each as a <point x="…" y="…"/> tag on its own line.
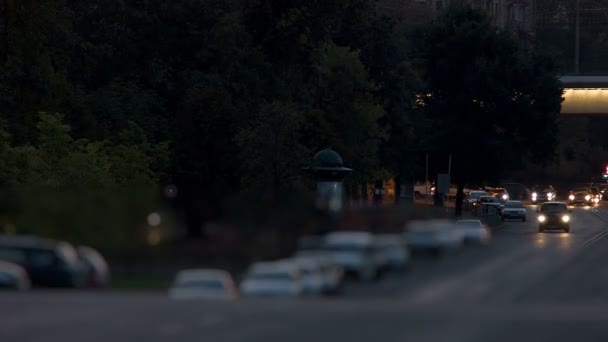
<point x="32" y="261"/>
<point x="321" y="263"/>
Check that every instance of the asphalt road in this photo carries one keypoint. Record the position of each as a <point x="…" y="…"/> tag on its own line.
<point x="524" y="286"/>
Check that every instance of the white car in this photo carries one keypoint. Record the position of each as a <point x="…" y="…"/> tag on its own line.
<point x="514" y="210"/>
<point x="475" y="231"/>
<point x="354" y="251"/>
<point x="396" y="252"/>
<point x="311" y="274"/>
<point x="274" y="279"/>
<point x="433" y="235"/>
<point x="333" y="274"/>
<point x="203" y="284"/>
<point x="13" y="276"/>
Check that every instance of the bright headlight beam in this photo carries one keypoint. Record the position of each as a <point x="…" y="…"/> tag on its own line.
<point x="542" y="218"/>
<point x="566" y="218"/>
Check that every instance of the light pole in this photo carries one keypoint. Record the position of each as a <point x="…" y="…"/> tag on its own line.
<point x="577" y="33"/>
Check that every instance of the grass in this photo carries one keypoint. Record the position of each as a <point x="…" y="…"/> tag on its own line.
<point x="140" y="283"/>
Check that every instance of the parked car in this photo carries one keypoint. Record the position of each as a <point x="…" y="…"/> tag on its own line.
<point x="514" y="210"/>
<point x="435" y="236"/>
<point x="203" y="284"/>
<point x="332" y="273"/>
<point x="311" y="274"/>
<point x="48" y="262"/>
<point x="98" y="270"/>
<point x="354" y="251"/>
<point x="13" y="277"/>
<point x="272" y="279"/>
<point x="553" y="215"/>
<point x="397" y="254"/>
<point x="475" y="231"/>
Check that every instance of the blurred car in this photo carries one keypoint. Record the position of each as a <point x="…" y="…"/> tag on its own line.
<point x="475" y="231"/>
<point x="514" y="210"/>
<point x="203" y="284"/>
<point x="354" y="251"/>
<point x="435" y="236"/>
<point x="541" y="194"/>
<point x="595" y="194"/>
<point x="553" y="215"/>
<point x="500" y="193"/>
<point x="98" y="271"/>
<point x="332" y="273"/>
<point x="581" y="196"/>
<point x="397" y="254"/>
<point x="604" y="192"/>
<point x="311" y="274"/>
<point x="272" y="279"/>
<point x="473" y="198"/>
<point x="311" y="243"/>
<point x="48" y="262"/>
<point x="13" y="277"/>
<point x="489" y="203"/>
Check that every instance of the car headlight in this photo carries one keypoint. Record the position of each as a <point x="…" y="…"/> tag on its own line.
<point x="571" y="197"/>
<point x="587" y="197"/>
<point x="550" y="195"/>
<point x="505" y="197"/>
<point x="542" y="218"/>
<point x="534" y="194"/>
<point x="566" y="218"/>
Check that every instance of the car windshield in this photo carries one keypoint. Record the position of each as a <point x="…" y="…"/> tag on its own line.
<point x="274" y="276"/>
<point x="580" y="190"/>
<point x="553" y="208"/>
<point x="477" y="194"/>
<point x="514" y="205"/>
<point x="212" y="284"/>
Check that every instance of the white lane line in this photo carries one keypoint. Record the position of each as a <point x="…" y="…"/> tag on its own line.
<point x="597" y="237"/>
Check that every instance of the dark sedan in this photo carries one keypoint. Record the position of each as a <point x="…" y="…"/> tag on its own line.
<point x="554" y="215"/>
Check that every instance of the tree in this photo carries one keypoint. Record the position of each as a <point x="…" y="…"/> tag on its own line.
<point x="492" y="103"/>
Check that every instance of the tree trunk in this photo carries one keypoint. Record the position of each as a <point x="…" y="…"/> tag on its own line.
<point x="459" y="198"/>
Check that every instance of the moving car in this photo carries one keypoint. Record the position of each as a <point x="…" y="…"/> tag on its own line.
<point x="595" y="194"/>
<point x="514" y="210"/>
<point x="553" y="215"/>
<point x="48" y="262"/>
<point x="13" y="277"/>
<point x="542" y="194"/>
<point x="274" y="279"/>
<point x="474" y="231"/>
<point x="203" y="284"/>
<point x="355" y="252"/>
<point x="397" y="254"/>
<point x="489" y="205"/>
<point x="473" y="198"/>
<point x="581" y="196"/>
<point x="500" y="193"/>
<point x="98" y="271"/>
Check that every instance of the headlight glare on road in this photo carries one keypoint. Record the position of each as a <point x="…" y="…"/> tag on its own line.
<point x="571" y="197"/>
<point x="587" y="198"/>
<point x="566" y="218"/>
<point x="542" y="218"/>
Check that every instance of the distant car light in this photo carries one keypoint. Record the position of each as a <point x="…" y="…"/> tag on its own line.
<point x="571" y="197"/>
<point x="505" y="197"/>
<point x="566" y="218"/>
<point x="542" y="218"/>
<point x="588" y="198"/>
<point x="534" y="194"/>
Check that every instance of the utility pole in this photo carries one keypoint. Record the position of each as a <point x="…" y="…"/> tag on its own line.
<point x="577" y="37"/>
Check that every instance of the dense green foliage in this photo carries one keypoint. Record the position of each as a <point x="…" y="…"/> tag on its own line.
<point x="231" y="97"/>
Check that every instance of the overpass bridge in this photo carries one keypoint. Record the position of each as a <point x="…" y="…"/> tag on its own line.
<point x="585" y="95"/>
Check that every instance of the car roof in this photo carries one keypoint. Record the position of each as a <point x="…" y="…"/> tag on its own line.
<point x="201" y="273"/>
<point x="273" y="267"/>
<point x="27" y="241"/>
<point x="351" y="237"/>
